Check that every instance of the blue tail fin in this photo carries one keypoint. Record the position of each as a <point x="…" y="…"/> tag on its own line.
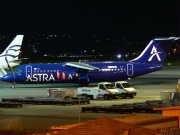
<point x="155" y="52"/>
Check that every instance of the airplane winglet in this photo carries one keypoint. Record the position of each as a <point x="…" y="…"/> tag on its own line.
<point x="18" y="60"/>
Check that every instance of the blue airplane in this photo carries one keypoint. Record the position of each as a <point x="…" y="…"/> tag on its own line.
<point x="83" y="73"/>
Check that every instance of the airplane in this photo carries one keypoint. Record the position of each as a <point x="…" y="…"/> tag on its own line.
<point x="83" y="73"/>
<point x="9" y="57"/>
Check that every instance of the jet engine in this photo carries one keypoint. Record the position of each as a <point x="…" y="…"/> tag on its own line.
<point x="83" y="81"/>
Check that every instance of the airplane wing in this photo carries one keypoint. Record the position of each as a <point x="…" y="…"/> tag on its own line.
<point x="18" y="60"/>
<point x="81" y="65"/>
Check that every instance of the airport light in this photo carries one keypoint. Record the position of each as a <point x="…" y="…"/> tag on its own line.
<point x="119" y="56"/>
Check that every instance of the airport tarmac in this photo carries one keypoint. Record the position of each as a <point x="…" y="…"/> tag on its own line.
<point x="148" y="87"/>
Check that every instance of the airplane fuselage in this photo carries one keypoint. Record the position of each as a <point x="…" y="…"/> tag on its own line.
<point x="150" y="60"/>
<point x="108" y="71"/>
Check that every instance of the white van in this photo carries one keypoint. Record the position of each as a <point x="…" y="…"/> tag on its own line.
<point x="125" y="89"/>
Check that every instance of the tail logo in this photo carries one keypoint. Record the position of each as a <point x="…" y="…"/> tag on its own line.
<point x="13" y="48"/>
<point x="154" y="52"/>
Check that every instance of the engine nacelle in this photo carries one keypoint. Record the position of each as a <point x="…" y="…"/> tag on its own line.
<point x="83" y="81"/>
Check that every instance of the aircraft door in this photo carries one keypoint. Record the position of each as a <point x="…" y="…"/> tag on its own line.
<point x="102" y="90"/>
<point x="129" y="69"/>
<point x="28" y="71"/>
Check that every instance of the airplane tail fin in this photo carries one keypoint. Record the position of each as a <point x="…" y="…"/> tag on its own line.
<point x="155" y="52"/>
<point x="12" y="51"/>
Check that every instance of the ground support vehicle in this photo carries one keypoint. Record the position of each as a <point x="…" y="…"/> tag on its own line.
<point x="84" y="100"/>
<point x="38" y="100"/>
<point x="10" y="104"/>
<point x="46" y="100"/>
<point x="108" y="109"/>
<point x="60" y="93"/>
<point x="139" y="107"/>
<point x="148" y="105"/>
<point x="56" y="96"/>
<point x="94" y="109"/>
<point x="104" y="90"/>
<point x="146" y="108"/>
<point x="125" y="89"/>
<point x="120" y="109"/>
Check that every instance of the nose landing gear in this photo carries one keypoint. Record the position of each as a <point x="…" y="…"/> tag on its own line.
<point x="13" y="85"/>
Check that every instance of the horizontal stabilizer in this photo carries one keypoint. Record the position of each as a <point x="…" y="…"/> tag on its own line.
<point x="18" y="60"/>
<point x="2" y="72"/>
<point x="81" y="65"/>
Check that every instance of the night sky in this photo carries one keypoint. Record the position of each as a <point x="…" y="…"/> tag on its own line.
<point x="128" y="17"/>
<point x="133" y="19"/>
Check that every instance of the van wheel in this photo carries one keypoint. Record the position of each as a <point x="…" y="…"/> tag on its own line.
<point x="131" y="96"/>
<point x="91" y="97"/>
<point x="123" y="96"/>
<point x="106" y="97"/>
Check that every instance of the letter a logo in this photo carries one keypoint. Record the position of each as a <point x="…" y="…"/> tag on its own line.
<point x="154" y="53"/>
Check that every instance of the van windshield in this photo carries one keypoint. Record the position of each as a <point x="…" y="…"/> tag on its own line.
<point x="109" y="86"/>
<point x="126" y="85"/>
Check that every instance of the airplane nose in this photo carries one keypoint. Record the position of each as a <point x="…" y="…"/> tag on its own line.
<point x="6" y="78"/>
<point x="2" y="79"/>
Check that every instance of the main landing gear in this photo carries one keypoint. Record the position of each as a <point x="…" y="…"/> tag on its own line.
<point x="13" y="85"/>
<point x="83" y="83"/>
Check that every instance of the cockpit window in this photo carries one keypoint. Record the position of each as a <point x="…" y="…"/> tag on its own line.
<point x="18" y="70"/>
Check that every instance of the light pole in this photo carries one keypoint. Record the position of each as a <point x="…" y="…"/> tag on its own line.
<point x="79" y="107"/>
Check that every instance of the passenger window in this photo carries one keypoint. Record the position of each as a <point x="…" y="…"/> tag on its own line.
<point x="18" y="70"/>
